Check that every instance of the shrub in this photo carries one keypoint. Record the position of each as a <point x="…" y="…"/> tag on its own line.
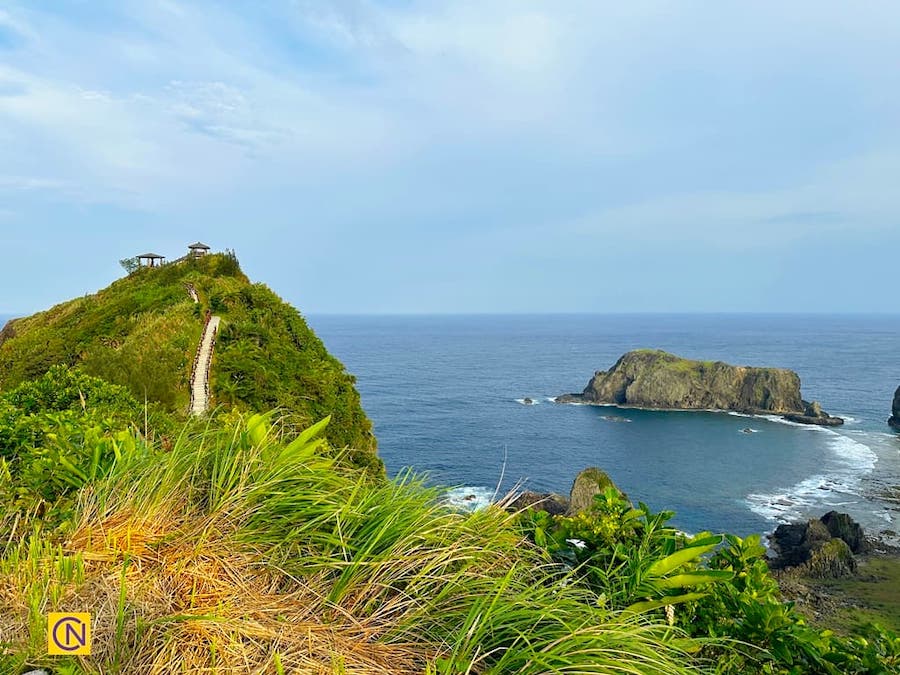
<point x="243" y="551"/>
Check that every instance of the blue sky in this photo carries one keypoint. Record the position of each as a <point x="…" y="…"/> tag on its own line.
<point x="467" y="156"/>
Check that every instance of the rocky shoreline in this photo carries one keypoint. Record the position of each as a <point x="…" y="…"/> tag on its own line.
<point x="834" y="573"/>
<point x="657" y="380"/>
<point x="828" y="567"/>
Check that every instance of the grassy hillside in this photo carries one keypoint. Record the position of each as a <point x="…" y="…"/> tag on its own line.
<point x="238" y="552"/>
<point x="251" y="543"/>
<point x="142" y="332"/>
<point x="244" y="548"/>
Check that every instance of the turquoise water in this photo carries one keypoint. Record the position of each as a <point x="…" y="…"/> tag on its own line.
<point x="442" y="392"/>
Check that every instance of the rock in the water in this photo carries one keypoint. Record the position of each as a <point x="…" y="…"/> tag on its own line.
<point x="528" y="401"/>
<point x="827" y="421"/>
<point x="590" y="482"/>
<point x="813" y="414"/>
<point x="554" y="504"/>
<point x="821" y="547"/>
<point x="795" y="542"/>
<point x="813" y="410"/>
<point x="894" y="419"/>
<point x="649" y="378"/>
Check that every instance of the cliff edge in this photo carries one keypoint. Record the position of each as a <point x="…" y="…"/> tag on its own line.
<point x="649" y="378"/>
<point x="894" y="419"/>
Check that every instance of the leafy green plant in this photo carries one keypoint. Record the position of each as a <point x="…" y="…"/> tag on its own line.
<point x="250" y="549"/>
<point x="726" y="599"/>
<point x="630" y="556"/>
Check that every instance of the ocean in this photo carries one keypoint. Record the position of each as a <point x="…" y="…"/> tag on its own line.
<point x="445" y="394"/>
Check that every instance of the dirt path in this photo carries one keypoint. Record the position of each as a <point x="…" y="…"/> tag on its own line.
<point x="200" y="376"/>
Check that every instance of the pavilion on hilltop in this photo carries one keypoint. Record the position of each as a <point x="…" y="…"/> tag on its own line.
<point x="150" y="259"/>
<point x="198" y="249"/>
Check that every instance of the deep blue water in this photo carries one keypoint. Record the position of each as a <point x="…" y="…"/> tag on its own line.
<point x="442" y="390"/>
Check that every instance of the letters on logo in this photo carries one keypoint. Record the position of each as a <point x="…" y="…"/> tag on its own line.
<point x="68" y="633"/>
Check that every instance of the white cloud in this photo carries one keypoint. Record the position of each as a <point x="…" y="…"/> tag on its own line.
<point x="188" y="99"/>
<point x="856" y="194"/>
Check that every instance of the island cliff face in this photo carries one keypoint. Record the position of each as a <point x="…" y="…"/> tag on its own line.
<point x="655" y="379"/>
<point x="894" y="419"/>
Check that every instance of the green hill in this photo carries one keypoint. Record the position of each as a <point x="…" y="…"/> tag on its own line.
<point x="246" y="542"/>
<point x="142" y="332"/>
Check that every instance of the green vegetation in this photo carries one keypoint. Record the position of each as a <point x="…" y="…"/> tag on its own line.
<point x="247" y="550"/>
<point x="267" y="357"/>
<point x="59" y="432"/>
<point x="242" y="542"/>
<point x="722" y="596"/>
<point x="247" y="547"/>
<point x="871" y="596"/>
<point x="143" y="330"/>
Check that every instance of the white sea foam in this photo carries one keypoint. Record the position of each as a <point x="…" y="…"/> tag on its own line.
<point x="849" y="461"/>
<point x="780" y="420"/>
<point x="534" y="401"/>
<point x="615" y="418"/>
<point x="469" y="498"/>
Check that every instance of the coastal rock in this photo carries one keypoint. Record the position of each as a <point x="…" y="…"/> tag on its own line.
<point x="590" y="482"/>
<point x="831" y="560"/>
<point x="813" y="410"/>
<point x="795" y="542"/>
<point x="843" y="527"/>
<point x="894" y="419"/>
<point x="813" y="414"/>
<point x="649" y="378"/>
<point x="554" y="504"/>
<point x="821" y="547"/>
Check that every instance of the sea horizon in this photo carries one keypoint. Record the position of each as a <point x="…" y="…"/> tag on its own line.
<point x="773" y="313"/>
<point x="445" y="394"/>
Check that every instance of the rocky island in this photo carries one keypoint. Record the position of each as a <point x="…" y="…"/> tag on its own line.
<point x="654" y="379"/>
<point x="894" y="419"/>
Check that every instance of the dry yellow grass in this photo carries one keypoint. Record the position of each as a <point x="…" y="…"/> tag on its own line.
<point x="235" y="552"/>
<point x="201" y="606"/>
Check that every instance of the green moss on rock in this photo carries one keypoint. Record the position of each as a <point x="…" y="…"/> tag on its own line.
<point x="589" y="483"/>
<point x="657" y="379"/>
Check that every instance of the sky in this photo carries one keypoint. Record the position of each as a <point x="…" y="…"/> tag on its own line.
<point x="466" y="156"/>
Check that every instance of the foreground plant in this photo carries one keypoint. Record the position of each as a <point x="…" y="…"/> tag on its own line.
<point x="717" y="589"/>
<point x="242" y="551"/>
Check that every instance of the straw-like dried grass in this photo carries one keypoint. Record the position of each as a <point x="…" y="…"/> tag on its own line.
<point x="239" y="553"/>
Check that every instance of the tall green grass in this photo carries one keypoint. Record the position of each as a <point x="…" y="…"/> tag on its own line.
<point x="242" y="551"/>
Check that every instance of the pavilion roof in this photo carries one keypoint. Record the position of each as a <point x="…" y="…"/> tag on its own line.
<point x="199" y="245"/>
<point x="151" y="255"/>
